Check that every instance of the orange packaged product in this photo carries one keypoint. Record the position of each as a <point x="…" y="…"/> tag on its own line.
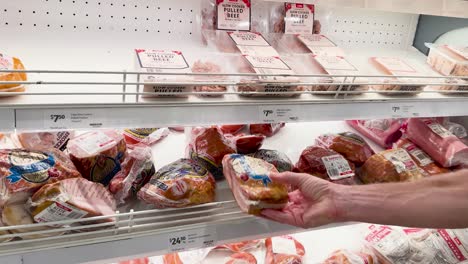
<point x="352" y="146"/>
<point x="11" y="63"/>
<point x="283" y="250"/>
<point x="241" y="258"/>
<point x="240" y="246"/>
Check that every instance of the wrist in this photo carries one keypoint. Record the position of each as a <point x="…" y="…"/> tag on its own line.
<point x="342" y="200"/>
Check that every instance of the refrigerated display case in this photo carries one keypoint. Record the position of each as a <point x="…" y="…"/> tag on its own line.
<point x="82" y="75"/>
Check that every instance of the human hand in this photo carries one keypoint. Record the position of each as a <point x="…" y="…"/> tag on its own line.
<point x="312" y="204"/>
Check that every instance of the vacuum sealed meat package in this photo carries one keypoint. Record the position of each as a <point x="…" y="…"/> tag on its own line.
<point x="22" y="172"/>
<point x="384" y="132"/>
<point x="226" y="15"/>
<point x="326" y="164"/>
<point x="422" y="159"/>
<point x="98" y="155"/>
<point x="11" y="63"/>
<point x="241" y="246"/>
<point x="283" y="250"/>
<point x="208" y="146"/>
<point x="352" y="146"/>
<point x="448" y="59"/>
<point x="437" y="141"/>
<point x="137" y="170"/>
<point x="181" y="183"/>
<point x="278" y="159"/>
<point x="393" y="165"/>
<point x="147" y="136"/>
<point x="241" y="258"/>
<point x="45" y="140"/>
<point x="265" y="129"/>
<point x="344" y="256"/>
<point x="252" y="187"/>
<point x="246" y="144"/>
<point x="231" y="129"/>
<point x="456" y="129"/>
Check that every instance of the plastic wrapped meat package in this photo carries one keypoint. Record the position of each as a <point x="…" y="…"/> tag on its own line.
<point x="247" y="144"/>
<point x="393" y="165"/>
<point x="146" y="136"/>
<point x="352" y="146"/>
<point x="181" y="183"/>
<point x="384" y="132"/>
<point x="344" y="256"/>
<point x="326" y="164"/>
<point x="11" y="63"/>
<point x="241" y="246"/>
<point x="267" y="130"/>
<point x="278" y="159"/>
<point x="23" y="172"/>
<point x="448" y="59"/>
<point x="437" y="141"/>
<point x="45" y="140"/>
<point x="226" y="15"/>
<point x="284" y="250"/>
<point x="241" y="257"/>
<point x="238" y="42"/>
<point x="252" y="187"/>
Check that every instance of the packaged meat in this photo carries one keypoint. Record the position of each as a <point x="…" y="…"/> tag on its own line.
<point x="241" y="258"/>
<point x="384" y="132"/>
<point x="448" y="59"/>
<point x="286" y="44"/>
<point x="181" y="183"/>
<point x="241" y="246"/>
<point x="209" y="63"/>
<point x="46" y="140"/>
<point x="226" y="15"/>
<point x="98" y="155"/>
<point x="208" y="146"/>
<point x="352" y="146"/>
<point x="278" y="159"/>
<point x="147" y="136"/>
<point x="252" y="187"/>
<point x="449" y="86"/>
<point x="231" y="129"/>
<point x="136" y="261"/>
<point x="456" y="129"/>
<point x="71" y="199"/>
<point x="438" y="142"/>
<point x="393" y="165"/>
<point x="265" y="129"/>
<point x="397" y="67"/>
<point x="246" y="144"/>
<point x="137" y="170"/>
<point x="22" y="172"/>
<point x="422" y="159"/>
<point x="326" y="164"/>
<point x="9" y="141"/>
<point x="183" y="257"/>
<point x="344" y="256"/>
<point x="172" y="258"/>
<point x="165" y="63"/>
<point x="11" y="63"/>
<point x="283" y="250"/>
<point x="292" y="18"/>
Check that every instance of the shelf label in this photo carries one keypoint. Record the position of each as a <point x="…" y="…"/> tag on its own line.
<point x="73" y="118"/>
<point x="404" y="110"/>
<point x="190" y="239"/>
<point x="279" y="113"/>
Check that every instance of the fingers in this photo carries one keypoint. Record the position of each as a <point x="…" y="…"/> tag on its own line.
<point x="279" y="216"/>
<point x="291" y="178"/>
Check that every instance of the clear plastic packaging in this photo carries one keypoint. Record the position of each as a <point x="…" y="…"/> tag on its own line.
<point x="226" y="15"/>
<point x="352" y="146"/>
<point x="384" y="132"/>
<point x="267" y="130"/>
<point x="241" y="257"/>
<point x="146" y="136"/>
<point x="448" y="60"/>
<point x="458" y="130"/>
<point x="11" y="63"/>
<point x="344" y="256"/>
<point x="278" y="159"/>
<point x="284" y="249"/>
<point x="241" y="246"/>
<point x="45" y="140"/>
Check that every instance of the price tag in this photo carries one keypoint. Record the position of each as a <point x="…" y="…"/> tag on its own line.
<point x="278" y="113"/>
<point x="190" y="239"/>
<point x="400" y="111"/>
<point x="69" y="119"/>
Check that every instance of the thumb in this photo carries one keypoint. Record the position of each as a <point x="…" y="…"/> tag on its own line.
<point x="291" y="178"/>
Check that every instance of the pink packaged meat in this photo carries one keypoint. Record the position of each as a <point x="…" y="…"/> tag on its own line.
<point x="45" y="140"/>
<point x="265" y="129"/>
<point x="448" y="59"/>
<point x="437" y="141"/>
<point x="147" y="136"/>
<point x="98" y="155"/>
<point x="226" y="15"/>
<point x="384" y="132"/>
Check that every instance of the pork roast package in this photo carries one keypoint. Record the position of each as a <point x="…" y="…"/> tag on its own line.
<point x="179" y="184"/>
<point x="267" y="130"/>
<point x="393" y="165"/>
<point x="247" y="144"/>
<point x="352" y="146"/>
<point x="45" y="140"/>
<point x="12" y="63"/>
<point x="251" y="185"/>
<point x="437" y="141"/>
<point x="448" y="59"/>
<point x="98" y="155"/>
<point x="283" y="249"/>
<point x="384" y="132"/>
<point x="326" y="164"/>
<point x="23" y="171"/>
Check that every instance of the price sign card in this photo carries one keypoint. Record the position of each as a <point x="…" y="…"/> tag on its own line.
<point x="190" y="239"/>
<point x="70" y="119"/>
<point x="279" y="113"/>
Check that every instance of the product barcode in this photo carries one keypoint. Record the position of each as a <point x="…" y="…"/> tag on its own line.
<point x="421" y="157"/>
<point x="333" y="172"/>
<point x="75" y="215"/>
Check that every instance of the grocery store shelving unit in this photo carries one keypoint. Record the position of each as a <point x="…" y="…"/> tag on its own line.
<point x="89" y="46"/>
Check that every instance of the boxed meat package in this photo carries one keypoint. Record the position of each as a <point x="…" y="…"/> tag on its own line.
<point x="71" y="199"/>
<point x="265" y="129"/>
<point x="281" y="162"/>
<point x="137" y="170"/>
<point x="384" y="132"/>
<point x="283" y="250"/>
<point x="147" y="136"/>
<point x="352" y="146"/>
<point x="241" y="257"/>
<point x="437" y="141"/>
<point x="393" y="165"/>
<point x="448" y="59"/>
<point x="208" y="146"/>
<point x="45" y="140"/>
<point x="422" y="159"/>
<point x="23" y="171"/>
<point x="344" y="256"/>
<point x="98" y="155"/>
<point x="11" y="63"/>
<point x="181" y="183"/>
<point x="326" y="164"/>
<point x="251" y="185"/>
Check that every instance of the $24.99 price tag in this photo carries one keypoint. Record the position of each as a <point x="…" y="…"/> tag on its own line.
<point x="191" y="239"/>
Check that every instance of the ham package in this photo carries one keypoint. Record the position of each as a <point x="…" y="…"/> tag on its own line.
<point x="208" y="147"/>
<point x="22" y="172"/>
<point x="437" y="141"/>
<point x="344" y="256"/>
<point x="45" y="140"/>
<point x="278" y="159"/>
<point x="179" y="184"/>
<point x="252" y="187"/>
<point x="393" y="165"/>
<point x="98" y="155"/>
<point x="384" y="132"/>
<point x="283" y="250"/>
<point x="241" y="258"/>
<point x="350" y="145"/>
<point x="11" y="63"/>
<point x="137" y="170"/>
<point x="147" y="136"/>
<point x="265" y="129"/>
<point x="71" y="199"/>
<point x="231" y="129"/>
<point x="424" y="161"/>
<point x="326" y="164"/>
<point x="246" y="144"/>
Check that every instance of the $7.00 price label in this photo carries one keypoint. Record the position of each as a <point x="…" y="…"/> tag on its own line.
<point x="191" y="239"/>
